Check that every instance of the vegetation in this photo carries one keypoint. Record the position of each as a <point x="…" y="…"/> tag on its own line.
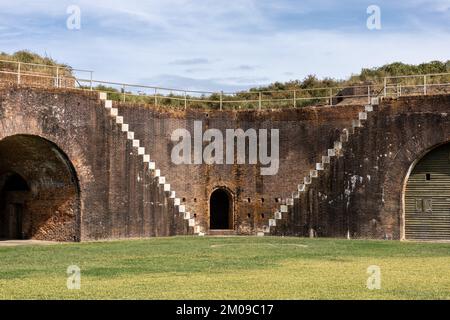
<point x="30" y="57"/>
<point x="401" y="69"/>
<point x="309" y="91"/>
<point x="227" y="268"/>
<point x="47" y="64"/>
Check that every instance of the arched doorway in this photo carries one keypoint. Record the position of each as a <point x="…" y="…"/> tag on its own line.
<point x="221" y="210"/>
<point x="39" y="192"/>
<point x="13" y="195"/>
<point x="427" y="197"/>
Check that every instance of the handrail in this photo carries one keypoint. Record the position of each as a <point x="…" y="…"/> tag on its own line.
<point x="376" y="88"/>
<point x="44" y="65"/>
<point x="419" y="75"/>
<point x="145" y="86"/>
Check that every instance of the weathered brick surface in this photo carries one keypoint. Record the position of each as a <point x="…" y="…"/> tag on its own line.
<point x="380" y="156"/>
<point x="112" y="195"/>
<point x="305" y="134"/>
<point x="115" y="196"/>
<point x="361" y="194"/>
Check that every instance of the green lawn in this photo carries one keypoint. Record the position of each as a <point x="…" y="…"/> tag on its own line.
<point x="227" y="268"/>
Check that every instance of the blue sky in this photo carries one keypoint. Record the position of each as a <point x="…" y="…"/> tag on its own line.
<point x="226" y="45"/>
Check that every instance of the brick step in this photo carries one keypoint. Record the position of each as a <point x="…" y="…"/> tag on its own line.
<point x="225" y="232"/>
<point x="114" y="112"/>
<point x="326" y="163"/>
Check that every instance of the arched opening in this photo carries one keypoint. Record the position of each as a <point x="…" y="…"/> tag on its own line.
<point x="39" y="192"/>
<point x="427" y="197"/>
<point x="220" y="210"/>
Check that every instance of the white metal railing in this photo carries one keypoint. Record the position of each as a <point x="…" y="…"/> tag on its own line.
<point x="415" y="84"/>
<point x="62" y="77"/>
<point x="23" y="69"/>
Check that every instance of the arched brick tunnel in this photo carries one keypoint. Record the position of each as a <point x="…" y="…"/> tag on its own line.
<point x="39" y="191"/>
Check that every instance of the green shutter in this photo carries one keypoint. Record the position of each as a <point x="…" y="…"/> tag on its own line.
<point x="427" y="198"/>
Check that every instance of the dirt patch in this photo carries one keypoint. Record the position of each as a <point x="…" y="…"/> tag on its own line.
<point x="14" y="243"/>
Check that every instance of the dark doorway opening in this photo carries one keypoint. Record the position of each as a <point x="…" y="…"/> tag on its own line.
<point x="220" y="210"/>
<point x="13" y="194"/>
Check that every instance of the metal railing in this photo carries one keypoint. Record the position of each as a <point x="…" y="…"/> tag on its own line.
<point x="58" y="74"/>
<point x="62" y="77"/>
<point x="416" y="84"/>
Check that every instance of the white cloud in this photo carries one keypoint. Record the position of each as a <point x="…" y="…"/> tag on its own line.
<point x="189" y="62"/>
<point x="430" y="5"/>
<point x="229" y="45"/>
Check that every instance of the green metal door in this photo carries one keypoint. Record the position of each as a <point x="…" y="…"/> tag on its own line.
<point x="427" y="198"/>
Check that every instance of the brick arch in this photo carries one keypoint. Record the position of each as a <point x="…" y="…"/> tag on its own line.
<point x="401" y="165"/>
<point x="65" y="136"/>
<point x="231" y="198"/>
<point x="420" y="156"/>
<point x="53" y="207"/>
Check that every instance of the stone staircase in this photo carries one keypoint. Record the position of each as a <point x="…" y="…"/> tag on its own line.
<point x="151" y="165"/>
<point x="336" y="151"/>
